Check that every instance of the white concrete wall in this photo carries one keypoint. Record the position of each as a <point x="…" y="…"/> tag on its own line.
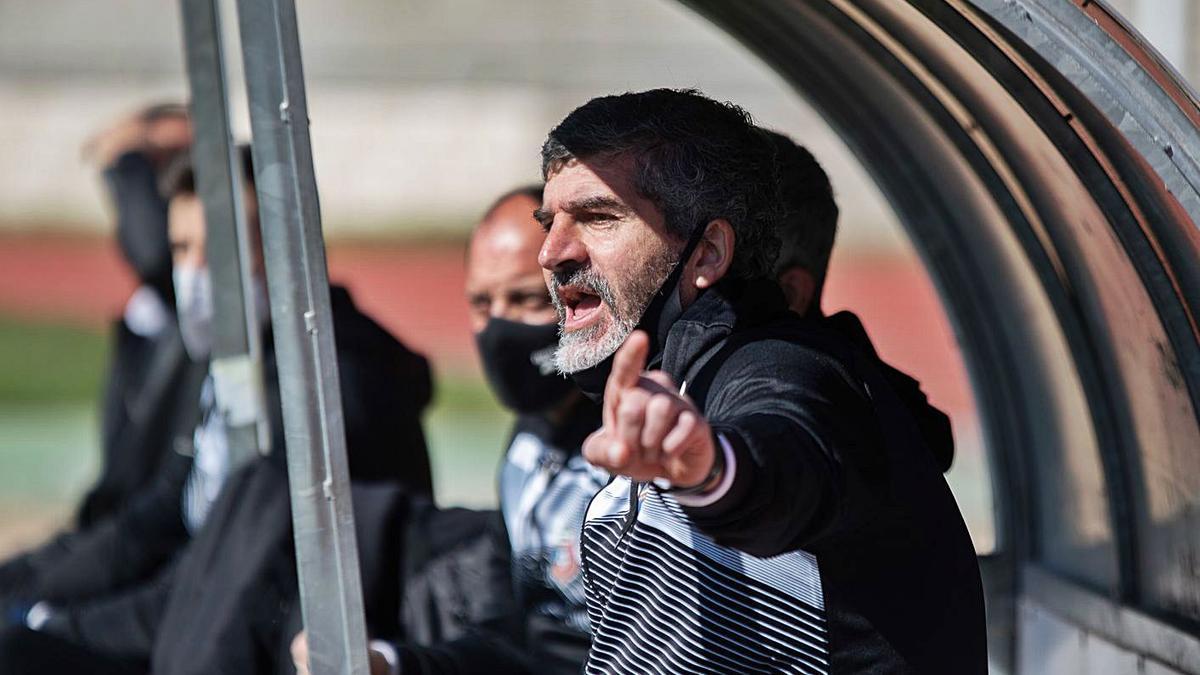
<point x="422" y="110"/>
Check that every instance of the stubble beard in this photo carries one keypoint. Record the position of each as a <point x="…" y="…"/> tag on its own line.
<point x="586" y="347"/>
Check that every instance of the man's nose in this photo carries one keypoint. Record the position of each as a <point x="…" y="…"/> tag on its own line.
<point x="562" y="248"/>
<point x="501" y="309"/>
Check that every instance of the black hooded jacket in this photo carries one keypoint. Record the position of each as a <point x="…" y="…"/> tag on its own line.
<point x="149" y="400"/>
<point x="838" y="546"/>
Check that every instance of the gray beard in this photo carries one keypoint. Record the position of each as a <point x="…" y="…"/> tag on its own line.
<point x="584" y="348"/>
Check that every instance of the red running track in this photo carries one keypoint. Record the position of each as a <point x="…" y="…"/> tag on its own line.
<point x="416" y="291"/>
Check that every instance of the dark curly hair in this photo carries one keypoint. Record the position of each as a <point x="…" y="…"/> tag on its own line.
<point x="695" y="159"/>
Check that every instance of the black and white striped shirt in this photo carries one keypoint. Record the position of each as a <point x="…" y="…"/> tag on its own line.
<point x="664" y="598"/>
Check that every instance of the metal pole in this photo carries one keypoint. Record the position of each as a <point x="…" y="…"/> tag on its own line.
<point x="326" y="554"/>
<point x="236" y="365"/>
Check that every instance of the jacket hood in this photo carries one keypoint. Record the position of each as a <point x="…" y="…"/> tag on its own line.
<point x="362" y="333"/>
<point x="934" y="424"/>
<point x="713" y="316"/>
<point x="742" y="305"/>
<point x="384" y="388"/>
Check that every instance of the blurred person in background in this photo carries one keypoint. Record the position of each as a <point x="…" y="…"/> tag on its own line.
<point x="545" y="484"/>
<point x="199" y="575"/>
<point x="809" y="225"/>
<point x="806" y="235"/>
<point x="148" y="405"/>
<point x="144" y="399"/>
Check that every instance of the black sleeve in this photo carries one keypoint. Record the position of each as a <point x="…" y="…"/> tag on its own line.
<point x="17" y="574"/>
<point x="384" y="436"/>
<point x="122" y="625"/>
<point x="799" y="432"/>
<point x="141" y="217"/>
<point x="127" y="353"/>
<point x="493" y="643"/>
<point x="126" y="548"/>
<point x="465" y="656"/>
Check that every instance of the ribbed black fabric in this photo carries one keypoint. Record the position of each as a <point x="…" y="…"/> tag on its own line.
<point x="661" y="604"/>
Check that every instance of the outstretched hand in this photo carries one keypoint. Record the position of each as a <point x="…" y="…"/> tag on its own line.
<point x="377" y="664"/>
<point x="650" y="429"/>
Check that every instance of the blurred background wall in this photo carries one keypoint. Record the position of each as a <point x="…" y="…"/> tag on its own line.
<point x="422" y="111"/>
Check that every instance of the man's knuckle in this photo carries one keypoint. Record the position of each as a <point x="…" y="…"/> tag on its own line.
<point x="660" y="404"/>
<point x="631" y="408"/>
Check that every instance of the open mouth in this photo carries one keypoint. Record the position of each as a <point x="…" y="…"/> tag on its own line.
<point x="582" y="307"/>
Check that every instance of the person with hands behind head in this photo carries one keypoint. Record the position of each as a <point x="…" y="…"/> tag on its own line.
<point x="777" y="506"/>
<point x="151" y="386"/>
<point x="198" y="573"/>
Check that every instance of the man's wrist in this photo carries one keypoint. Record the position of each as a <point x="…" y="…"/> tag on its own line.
<point x="384" y="657"/>
<point x="717" y="484"/>
<point x="710" y="480"/>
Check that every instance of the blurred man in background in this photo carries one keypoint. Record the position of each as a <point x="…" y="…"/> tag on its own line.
<point x="545" y="485"/>
<point x="806" y="234"/>
<point x="148" y="404"/>
<point x="151" y="386"/>
<point x="199" y="574"/>
<point x="807" y="230"/>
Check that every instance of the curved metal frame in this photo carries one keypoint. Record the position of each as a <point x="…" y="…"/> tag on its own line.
<point x="1053" y="128"/>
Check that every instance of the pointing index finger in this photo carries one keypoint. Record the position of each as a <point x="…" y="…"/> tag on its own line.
<point x="630" y="361"/>
<point x="628" y="364"/>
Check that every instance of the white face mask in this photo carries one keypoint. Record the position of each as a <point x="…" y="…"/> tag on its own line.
<point x="194" y="302"/>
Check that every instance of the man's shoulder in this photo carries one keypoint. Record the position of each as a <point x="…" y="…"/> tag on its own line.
<point x="789" y="349"/>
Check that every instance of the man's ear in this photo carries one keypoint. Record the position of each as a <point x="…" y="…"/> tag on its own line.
<point x="713" y="255"/>
<point x="799" y="286"/>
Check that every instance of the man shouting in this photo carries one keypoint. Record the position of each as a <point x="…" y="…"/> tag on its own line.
<point x="777" y="508"/>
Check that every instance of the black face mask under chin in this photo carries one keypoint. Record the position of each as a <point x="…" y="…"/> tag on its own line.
<point x="518" y="359"/>
<point x="663" y="311"/>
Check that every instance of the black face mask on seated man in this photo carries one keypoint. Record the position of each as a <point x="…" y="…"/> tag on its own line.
<point x="518" y="360"/>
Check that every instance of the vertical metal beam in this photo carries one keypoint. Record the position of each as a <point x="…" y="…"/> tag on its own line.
<point x="236" y="364"/>
<point x="327" y="557"/>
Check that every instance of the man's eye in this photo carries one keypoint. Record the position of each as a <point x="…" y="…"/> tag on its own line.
<point x="597" y="219"/>
<point x="536" y="301"/>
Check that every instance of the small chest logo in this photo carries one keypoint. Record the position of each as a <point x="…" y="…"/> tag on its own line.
<point x="564" y="566"/>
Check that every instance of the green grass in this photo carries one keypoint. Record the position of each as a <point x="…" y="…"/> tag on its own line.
<point x="50" y="381"/>
<point x="50" y="378"/>
<point x="463" y="393"/>
<point x="50" y="363"/>
<point x="49" y="452"/>
<point x="466" y="430"/>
